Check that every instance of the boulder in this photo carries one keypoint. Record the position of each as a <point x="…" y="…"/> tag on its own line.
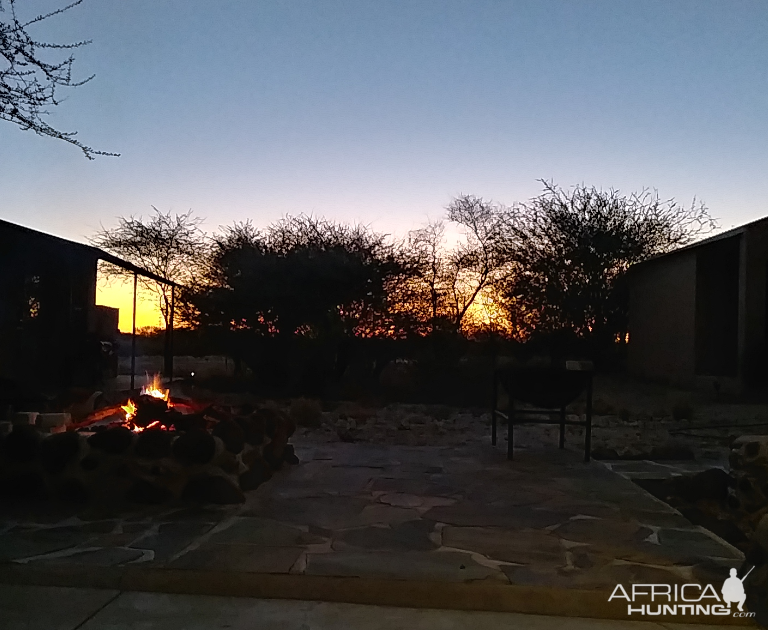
<point x="51" y="421"/>
<point x="115" y="441"/>
<point x="252" y="479"/>
<point x="24" y="417"/>
<point x="154" y="444"/>
<point x="250" y="455"/>
<point x="146" y="492"/>
<point x="212" y="489"/>
<point x="22" y="444"/>
<point x="273" y="455"/>
<point x="760" y="537"/>
<point x="194" y="447"/>
<point x="750" y="452"/>
<point x="90" y="463"/>
<point x="72" y="490"/>
<point x="272" y="419"/>
<point x="231" y="433"/>
<point x="289" y="455"/>
<point x="189" y="422"/>
<point x="24" y="486"/>
<point x="253" y="429"/>
<point x="59" y="450"/>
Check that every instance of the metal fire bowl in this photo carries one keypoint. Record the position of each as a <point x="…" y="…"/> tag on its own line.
<point x="546" y="387"/>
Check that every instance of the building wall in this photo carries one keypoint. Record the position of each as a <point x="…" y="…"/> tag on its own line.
<point x="718" y="307"/>
<point x="753" y="334"/>
<point x="662" y="319"/>
<point x="47" y="289"/>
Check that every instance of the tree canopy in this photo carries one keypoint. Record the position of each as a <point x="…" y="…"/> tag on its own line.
<point x="570" y="251"/>
<point x="551" y="266"/>
<point x="301" y="275"/>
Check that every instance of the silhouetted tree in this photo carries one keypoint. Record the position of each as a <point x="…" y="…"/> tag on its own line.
<point x="571" y="250"/>
<point x="28" y="83"/>
<point x="480" y="262"/>
<point x="171" y="246"/>
<point x="421" y="294"/>
<point x="301" y="276"/>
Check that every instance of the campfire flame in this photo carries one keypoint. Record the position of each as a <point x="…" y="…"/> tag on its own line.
<point x="130" y="410"/>
<point x="153" y="389"/>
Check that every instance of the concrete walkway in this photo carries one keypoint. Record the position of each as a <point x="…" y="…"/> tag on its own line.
<point x="388" y="525"/>
<point x="58" y="608"/>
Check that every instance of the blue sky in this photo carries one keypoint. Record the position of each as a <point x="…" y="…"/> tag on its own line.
<point x="382" y="111"/>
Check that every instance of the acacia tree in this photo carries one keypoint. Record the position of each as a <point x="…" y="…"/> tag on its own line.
<point x="480" y="262"/>
<point x="571" y="250"/>
<point x="29" y="83"/>
<point x="301" y="275"/>
<point x="170" y="246"/>
<point x="422" y="292"/>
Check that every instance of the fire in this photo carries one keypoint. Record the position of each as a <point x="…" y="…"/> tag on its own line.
<point x="130" y="410"/>
<point x="154" y="389"/>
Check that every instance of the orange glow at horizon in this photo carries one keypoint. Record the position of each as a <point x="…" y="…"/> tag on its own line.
<point x="118" y="293"/>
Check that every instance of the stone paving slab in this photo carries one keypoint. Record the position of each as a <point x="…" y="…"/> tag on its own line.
<point x="239" y="558"/>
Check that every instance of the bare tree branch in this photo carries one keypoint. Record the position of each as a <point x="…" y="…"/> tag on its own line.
<point x="28" y="84"/>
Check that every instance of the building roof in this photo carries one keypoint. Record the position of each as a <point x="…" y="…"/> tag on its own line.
<point x="95" y="252"/>
<point x="707" y="241"/>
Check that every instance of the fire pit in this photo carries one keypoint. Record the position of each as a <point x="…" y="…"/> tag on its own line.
<point x="549" y="388"/>
<point x="151" y="449"/>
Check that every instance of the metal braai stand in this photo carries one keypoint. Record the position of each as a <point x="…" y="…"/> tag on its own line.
<point x="549" y="390"/>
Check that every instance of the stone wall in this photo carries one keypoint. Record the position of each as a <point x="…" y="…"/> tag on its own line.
<point x="215" y="460"/>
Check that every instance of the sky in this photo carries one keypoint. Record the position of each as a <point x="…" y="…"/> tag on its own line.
<point x="380" y="112"/>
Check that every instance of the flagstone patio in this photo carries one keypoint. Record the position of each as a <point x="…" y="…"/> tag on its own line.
<point x="412" y="514"/>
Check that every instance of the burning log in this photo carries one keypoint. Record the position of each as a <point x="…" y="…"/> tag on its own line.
<point x="95" y="417"/>
<point x="149" y="409"/>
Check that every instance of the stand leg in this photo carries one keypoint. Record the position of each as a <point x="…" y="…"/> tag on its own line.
<point x="588" y="436"/>
<point x="493" y="409"/>
<point x="562" y="427"/>
<point x="510" y="428"/>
